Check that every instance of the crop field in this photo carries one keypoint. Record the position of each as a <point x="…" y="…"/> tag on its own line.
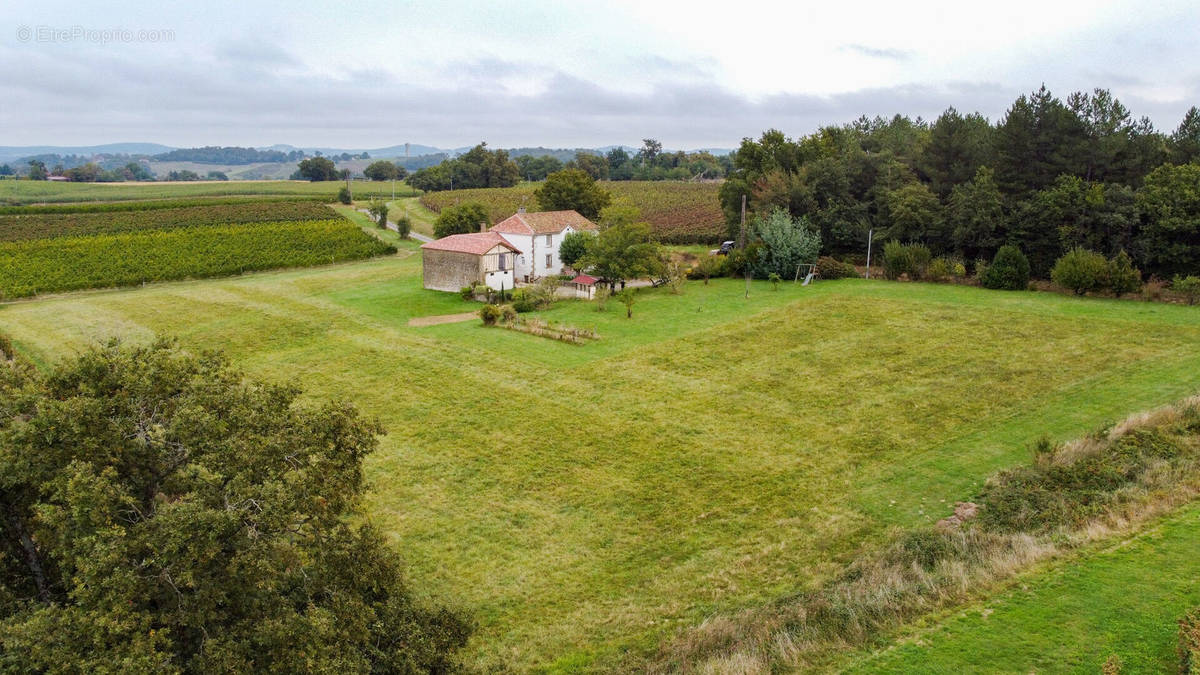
<point x="681" y="213"/>
<point x="37" y="266"/>
<point x="72" y="246"/>
<point x="116" y="221"/>
<point x="23" y="192"/>
<point x="712" y="453"/>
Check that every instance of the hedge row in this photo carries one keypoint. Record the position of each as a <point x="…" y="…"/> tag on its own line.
<point x="50" y="225"/>
<point x="72" y="263"/>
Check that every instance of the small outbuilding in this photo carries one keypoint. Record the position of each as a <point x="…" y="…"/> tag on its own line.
<point x="585" y="286"/>
<point x="462" y="259"/>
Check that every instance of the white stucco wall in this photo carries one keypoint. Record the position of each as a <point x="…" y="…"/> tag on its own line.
<point x="532" y="261"/>
<point x="499" y="280"/>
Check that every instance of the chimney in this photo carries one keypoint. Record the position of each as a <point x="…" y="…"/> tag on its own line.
<point x="483" y="227"/>
<point x="520" y="209"/>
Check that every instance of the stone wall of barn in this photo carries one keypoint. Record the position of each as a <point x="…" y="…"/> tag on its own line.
<point x="449" y="270"/>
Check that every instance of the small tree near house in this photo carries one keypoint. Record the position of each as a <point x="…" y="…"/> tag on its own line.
<point x="628" y="297"/>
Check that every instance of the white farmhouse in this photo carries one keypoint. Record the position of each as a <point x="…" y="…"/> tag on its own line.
<point x="538" y="236"/>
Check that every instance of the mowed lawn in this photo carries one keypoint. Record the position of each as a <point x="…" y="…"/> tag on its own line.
<point x="710" y="453"/>
<point x="1124" y="600"/>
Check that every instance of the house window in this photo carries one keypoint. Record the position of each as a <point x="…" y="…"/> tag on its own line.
<point x="549" y="260"/>
<point x="503" y="261"/>
<point x="549" y="240"/>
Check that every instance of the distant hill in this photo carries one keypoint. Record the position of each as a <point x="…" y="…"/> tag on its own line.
<point x="419" y="155"/>
<point x="12" y="152"/>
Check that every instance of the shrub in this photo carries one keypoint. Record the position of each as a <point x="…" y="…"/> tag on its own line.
<point x="905" y="259"/>
<point x="467" y="292"/>
<point x="959" y="270"/>
<point x="490" y="314"/>
<point x="1008" y="271"/>
<point x="1188" y="287"/>
<point x="1080" y="270"/>
<point x="508" y="314"/>
<point x="1189" y="642"/>
<point x="344" y="195"/>
<point x="939" y="269"/>
<point x="830" y="268"/>
<point x="404" y="226"/>
<point x="521" y="301"/>
<point x="710" y="266"/>
<point x="1152" y="290"/>
<point x="1123" y="277"/>
<point x="1068" y="488"/>
<point x="774" y="279"/>
<point x="7" y="353"/>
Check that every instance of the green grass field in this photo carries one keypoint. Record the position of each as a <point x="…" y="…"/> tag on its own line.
<point x="1123" y="600"/>
<point x="709" y="454"/>
<point x="36" y="192"/>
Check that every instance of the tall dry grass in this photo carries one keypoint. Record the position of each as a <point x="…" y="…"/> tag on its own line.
<point x="1135" y="471"/>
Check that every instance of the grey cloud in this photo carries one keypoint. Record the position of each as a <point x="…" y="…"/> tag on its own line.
<point x="184" y="101"/>
<point x="879" y="52"/>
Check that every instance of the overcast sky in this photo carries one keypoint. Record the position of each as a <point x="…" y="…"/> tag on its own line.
<point x="562" y="74"/>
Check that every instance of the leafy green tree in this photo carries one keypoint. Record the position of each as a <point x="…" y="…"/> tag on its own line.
<point x="382" y="170"/>
<point x="621" y="252"/>
<point x="1185" y="141"/>
<point x="572" y="189"/>
<point x="574" y="246"/>
<point x="1080" y="270"/>
<point x="1009" y="270"/>
<point x="343" y="195"/>
<point x="1169" y="201"/>
<point x="537" y="168"/>
<point x="628" y="297"/>
<point x="318" y="169"/>
<point x="403" y="227"/>
<point x="786" y="243"/>
<point x="594" y="165"/>
<point x="1039" y="139"/>
<point x="916" y="215"/>
<point x="958" y="147"/>
<point x="378" y="209"/>
<point x="975" y="215"/>
<point x="6" y="170"/>
<point x="37" y="170"/>
<point x="163" y="513"/>
<point x="460" y="219"/>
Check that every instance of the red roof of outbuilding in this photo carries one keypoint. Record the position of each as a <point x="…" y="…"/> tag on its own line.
<point x="542" y="222"/>
<point x="476" y="243"/>
<point x="586" y="279"/>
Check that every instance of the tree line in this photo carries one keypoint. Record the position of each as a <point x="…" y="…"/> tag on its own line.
<point x="1048" y="177"/>
<point x="482" y="168"/>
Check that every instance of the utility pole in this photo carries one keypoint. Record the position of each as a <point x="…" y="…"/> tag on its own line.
<point x="742" y="245"/>
<point x="870" y="236"/>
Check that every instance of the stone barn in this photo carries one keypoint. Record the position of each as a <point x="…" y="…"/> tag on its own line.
<point x="452" y="262"/>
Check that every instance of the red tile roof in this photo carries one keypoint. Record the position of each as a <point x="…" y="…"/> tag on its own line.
<point x="542" y="222"/>
<point x="476" y="243"/>
<point x="586" y="279"/>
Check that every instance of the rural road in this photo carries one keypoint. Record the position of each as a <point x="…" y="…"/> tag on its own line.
<point x="424" y="239"/>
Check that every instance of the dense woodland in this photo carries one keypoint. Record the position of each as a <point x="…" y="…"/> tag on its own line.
<point x="1050" y="176"/>
<point x="481" y="168"/>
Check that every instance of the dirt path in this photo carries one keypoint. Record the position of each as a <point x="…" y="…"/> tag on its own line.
<point x="442" y="318"/>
